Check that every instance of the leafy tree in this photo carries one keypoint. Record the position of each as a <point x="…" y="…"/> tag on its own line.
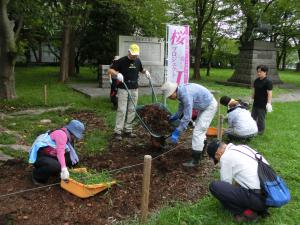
<point x="204" y="10"/>
<point x="285" y="20"/>
<point x="13" y="16"/>
<point x="119" y="17"/>
<point x="217" y="29"/>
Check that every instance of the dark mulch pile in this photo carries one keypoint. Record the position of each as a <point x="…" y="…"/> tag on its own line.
<point x="156" y="118"/>
<point x="170" y="182"/>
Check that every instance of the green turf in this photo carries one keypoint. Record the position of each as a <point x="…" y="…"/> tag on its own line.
<point x="279" y="144"/>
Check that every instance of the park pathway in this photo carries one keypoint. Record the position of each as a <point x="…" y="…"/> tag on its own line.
<point x="93" y="91"/>
<point x="293" y="96"/>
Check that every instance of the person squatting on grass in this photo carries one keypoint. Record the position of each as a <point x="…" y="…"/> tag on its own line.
<point x="53" y="151"/>
<point x="262" y="95"/>
<point x="241" y="126"/>
<point x="191" y="96"/>
<point x="239" y="189"/>
<point x="126" y="70"/>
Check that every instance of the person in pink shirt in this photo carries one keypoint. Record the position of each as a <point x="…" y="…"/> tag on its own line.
<point x="54" y="158"/>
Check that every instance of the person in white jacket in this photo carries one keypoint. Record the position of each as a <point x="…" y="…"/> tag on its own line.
<point x="241" y="125"/>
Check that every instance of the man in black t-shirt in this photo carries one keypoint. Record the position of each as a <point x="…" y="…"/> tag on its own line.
<point x="127" y="70"/>
<point x="262" y="96"/>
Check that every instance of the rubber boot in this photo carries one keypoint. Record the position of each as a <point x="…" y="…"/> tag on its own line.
<point x="196" y="157"/>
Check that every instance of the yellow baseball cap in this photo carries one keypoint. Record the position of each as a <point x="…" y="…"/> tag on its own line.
<point x="134" y="49"/>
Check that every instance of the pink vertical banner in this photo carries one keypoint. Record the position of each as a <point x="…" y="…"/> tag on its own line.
<point x="178" y="54"/>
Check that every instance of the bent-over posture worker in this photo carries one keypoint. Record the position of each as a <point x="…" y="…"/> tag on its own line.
<point x="239" y="189"/>
<point x="53" y="151"/>
<point x="241" y="125"/>
<point x="192" y="96"/>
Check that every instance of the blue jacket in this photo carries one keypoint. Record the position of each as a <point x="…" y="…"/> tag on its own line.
<point x="191" y="96"/>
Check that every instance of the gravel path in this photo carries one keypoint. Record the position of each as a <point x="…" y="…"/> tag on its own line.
<point x="293" y="96"/>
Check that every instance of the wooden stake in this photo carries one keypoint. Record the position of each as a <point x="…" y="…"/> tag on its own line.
<point x="219" y="120"/>
<point x="220" y="127"/>
<point x="45" y="94"/>
<point x="146" y="187"/>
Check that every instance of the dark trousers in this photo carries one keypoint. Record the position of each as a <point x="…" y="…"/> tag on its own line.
<point x="237" y="199"/>
<point x="234" y="138"/>
<point x="259" y="115"/>
<point x="46" y="166"/>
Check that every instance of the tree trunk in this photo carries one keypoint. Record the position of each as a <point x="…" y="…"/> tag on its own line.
<point x="40" y="51"/>
<point x="198" y="53"/>
<point x="77" y="63"/>
<point x="34" y="53"/>
<point x="64" y="59"/>
<point x="8" y="54"/>
<point x="284" y="60"/>
<point x="298" y="64"/>
<point x="282" y="56"/>
<point x="278" y="60"/>
<point x="200" y="12"/>
<point x="72" y="53"/>
<point x="209" y="62"/>
<point x="203" y="13"/>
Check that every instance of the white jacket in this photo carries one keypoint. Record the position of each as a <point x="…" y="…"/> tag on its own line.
<point x="241" y="123"/>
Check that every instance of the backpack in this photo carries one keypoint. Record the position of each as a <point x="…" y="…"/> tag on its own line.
<point x="274" y="188"/>
<point x="243" y="104"/>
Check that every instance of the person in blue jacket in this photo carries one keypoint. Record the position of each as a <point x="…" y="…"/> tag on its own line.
<point x="191" y="97"/>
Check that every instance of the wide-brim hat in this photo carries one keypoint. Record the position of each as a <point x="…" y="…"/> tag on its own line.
<point x="168" y="88"/>
<point x="76" y="128"/>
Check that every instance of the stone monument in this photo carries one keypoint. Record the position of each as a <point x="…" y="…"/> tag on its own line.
<point x="151" y="55"/>
<point x="251" y="55"/>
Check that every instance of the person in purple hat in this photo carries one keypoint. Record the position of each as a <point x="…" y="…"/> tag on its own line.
<point x="53" y="152"/>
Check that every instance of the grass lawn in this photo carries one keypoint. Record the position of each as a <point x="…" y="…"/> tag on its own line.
<point x="279" y="144"/>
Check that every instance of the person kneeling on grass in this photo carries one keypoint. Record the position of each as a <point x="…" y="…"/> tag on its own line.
<point x="241" y="125"/>
<point x="239" y="189"/>
<point x="53" y="151"/>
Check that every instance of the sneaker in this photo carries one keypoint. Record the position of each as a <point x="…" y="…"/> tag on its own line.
<point x="118" y="137"/>
<point x="130" y="134"/>
<point x="247" y="216"/>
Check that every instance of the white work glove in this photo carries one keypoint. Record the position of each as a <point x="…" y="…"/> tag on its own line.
<point x="64" y="174"/>
<point x="269" y="107"/>
<point x="120" y="77"/>
<point x="147" y="73"/>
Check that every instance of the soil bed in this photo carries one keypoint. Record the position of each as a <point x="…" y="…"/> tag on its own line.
<point x="170" y="182"/>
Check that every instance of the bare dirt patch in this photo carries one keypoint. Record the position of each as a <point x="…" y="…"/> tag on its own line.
<point x="170" y="182"/>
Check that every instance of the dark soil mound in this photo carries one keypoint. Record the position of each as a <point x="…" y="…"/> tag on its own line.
<point x="156" y="118"/>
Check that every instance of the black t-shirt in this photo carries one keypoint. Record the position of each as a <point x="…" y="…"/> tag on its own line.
<point x="260" y="92"/>
<point x="130" y="70"/>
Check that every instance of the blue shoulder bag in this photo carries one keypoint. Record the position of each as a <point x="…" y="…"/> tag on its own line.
<point x="275" y="190"/>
